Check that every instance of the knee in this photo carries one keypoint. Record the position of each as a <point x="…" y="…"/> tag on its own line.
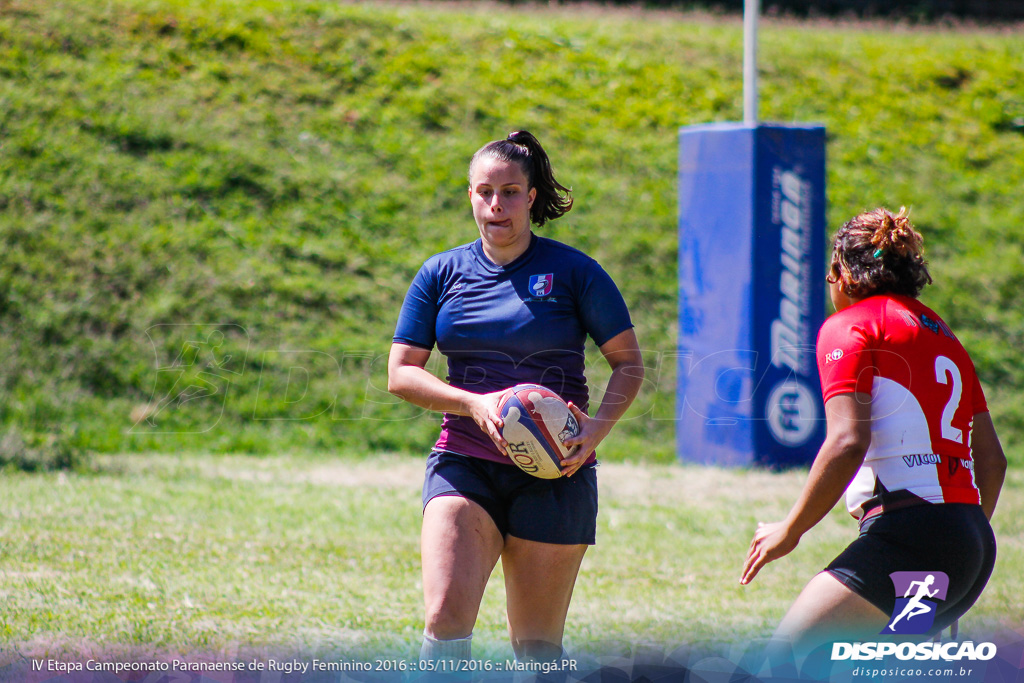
<point x="445" y="621"/>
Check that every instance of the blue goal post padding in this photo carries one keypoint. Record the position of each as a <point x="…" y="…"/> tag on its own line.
<point x="751" y="293"/>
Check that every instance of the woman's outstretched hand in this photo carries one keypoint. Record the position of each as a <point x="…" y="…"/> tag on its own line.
<point x="771" y="541"/>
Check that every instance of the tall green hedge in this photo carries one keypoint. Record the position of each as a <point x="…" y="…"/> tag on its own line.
<point x="210" y="209"/>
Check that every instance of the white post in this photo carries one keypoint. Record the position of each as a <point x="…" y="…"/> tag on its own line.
<point x="751" y="10"/>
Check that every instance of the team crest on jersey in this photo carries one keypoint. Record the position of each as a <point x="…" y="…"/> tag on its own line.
<point x="540" y="285"/>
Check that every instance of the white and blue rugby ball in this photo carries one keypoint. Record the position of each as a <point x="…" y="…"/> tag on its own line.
<point x="537" y="422"/>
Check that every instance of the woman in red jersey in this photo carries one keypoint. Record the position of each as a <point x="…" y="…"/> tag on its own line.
<point x="909" y="439"/>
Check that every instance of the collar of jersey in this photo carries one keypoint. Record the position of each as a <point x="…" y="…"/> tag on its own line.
<point x="478" y="251"/>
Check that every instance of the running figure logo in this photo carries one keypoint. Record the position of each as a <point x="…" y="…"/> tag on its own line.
<point x="191" y="386"/>
<point x="921" y="592"/>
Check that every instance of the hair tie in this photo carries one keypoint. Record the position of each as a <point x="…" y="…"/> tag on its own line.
<point x="878" y="252"/>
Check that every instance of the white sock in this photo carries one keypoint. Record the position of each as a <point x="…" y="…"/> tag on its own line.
<point x="455" y="649"/>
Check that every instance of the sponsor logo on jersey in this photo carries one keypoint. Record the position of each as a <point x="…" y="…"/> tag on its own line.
<point x="917" y="597"/>
<point x="922" y="459"/>
<point x="908" y="319"/>
<point x="936" y="326"/>
<point x="540" y="285"/>
<point x="929" y="323"/>
<point x="955" y="464"/>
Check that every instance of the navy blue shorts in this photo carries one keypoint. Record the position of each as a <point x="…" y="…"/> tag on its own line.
<point x="950" y="537"/>
<point x="562" y="511"/>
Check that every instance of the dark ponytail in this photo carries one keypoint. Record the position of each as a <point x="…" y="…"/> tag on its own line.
<point x="553" y="199"/>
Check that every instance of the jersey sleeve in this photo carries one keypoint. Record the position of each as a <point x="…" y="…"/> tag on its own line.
<point x="846" y="362"/>
<point x="601" y="306"/>
<point x="418" y="317"/>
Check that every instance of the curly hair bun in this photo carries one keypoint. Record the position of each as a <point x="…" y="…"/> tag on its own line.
<point x="879" y="252"/>
<point x="894" y="233"/>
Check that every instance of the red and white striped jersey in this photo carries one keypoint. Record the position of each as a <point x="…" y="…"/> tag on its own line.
<point x="924" y="396"/>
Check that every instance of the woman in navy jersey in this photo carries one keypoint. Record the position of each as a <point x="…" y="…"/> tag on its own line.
<point x="511" y="307"/>
<point x="911" y="442"/>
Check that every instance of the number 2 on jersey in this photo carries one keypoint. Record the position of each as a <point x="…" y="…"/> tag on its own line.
<point x="942" y="366"/>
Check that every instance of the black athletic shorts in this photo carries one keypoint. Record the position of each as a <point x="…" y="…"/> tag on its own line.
<point x="562" y="511"/>
<point x="949" y="537"/>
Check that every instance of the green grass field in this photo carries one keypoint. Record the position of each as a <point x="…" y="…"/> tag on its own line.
<point x="227" y="556"/>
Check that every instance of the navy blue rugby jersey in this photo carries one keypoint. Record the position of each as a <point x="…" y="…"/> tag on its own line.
<point x="498" y="326"/>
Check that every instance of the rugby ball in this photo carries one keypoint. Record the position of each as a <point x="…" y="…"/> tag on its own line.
<point x="536" y="422"/>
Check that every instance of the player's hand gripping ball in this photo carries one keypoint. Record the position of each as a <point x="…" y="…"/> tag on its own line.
<point x="537" y="421"/>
